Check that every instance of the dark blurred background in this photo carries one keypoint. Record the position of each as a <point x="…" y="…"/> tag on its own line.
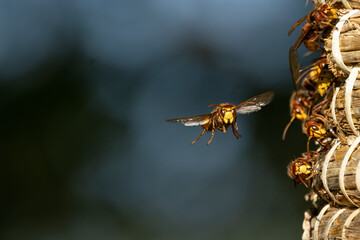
<point x="86" y="86"/>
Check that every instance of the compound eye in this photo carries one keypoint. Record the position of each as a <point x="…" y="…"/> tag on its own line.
<point x="223" y="111"/>
<point x="314" y="128"/>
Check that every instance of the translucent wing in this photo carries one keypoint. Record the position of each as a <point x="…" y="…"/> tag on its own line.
<point x="192" y="121"/>
<point x="296" y="24"/>
<point x="304" y="31"/>
<point x="254" y="104"/>
<point x="294" y="62"/>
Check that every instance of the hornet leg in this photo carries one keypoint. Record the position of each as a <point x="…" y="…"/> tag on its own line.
<point x="303" y="181"/>
<point x="234" y="129"/>
<point x="198" y="138"/>
<point x="212" y="133"/>
<point x="212" y="136"/>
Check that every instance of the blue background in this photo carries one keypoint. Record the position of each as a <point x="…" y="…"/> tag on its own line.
<point x="85" y="88"/>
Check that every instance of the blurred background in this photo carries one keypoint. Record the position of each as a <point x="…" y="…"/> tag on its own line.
<point x="86" y="87"/>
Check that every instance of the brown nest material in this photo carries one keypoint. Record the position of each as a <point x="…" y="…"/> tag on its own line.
<point x="332" y="223"/>
<point x="338" y="174"/>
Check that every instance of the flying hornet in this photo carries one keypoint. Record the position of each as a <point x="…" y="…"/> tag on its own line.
<point x="224" y="115"/>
